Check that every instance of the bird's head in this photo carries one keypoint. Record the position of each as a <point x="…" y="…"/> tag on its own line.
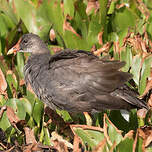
<point x="29" y="43"/>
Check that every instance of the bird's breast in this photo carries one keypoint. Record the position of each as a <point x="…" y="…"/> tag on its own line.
<point x="31" y="76"/>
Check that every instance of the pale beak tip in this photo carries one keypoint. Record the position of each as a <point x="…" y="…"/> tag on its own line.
<point x="11" y="51"/>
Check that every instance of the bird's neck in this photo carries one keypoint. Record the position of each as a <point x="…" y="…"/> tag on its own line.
<point x="35" y="64"/>
<point x="39" y="58"/>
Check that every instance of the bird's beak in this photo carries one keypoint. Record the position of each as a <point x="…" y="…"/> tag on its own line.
<point x="14" y="49"/>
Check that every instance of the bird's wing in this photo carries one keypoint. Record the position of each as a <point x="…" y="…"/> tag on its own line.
<point x="79" y="78"/>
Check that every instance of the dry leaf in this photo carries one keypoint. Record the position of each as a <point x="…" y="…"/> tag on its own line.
<point x="59" y="141"/>
<point x="29" y="134"/>
<point x="113" y="146"/>
<point x="106" y="129"/>
<point x="60" y="146"/>
<point x="56" y="49"/>
<point x="88" y="118"/>
<point x="68" y="27"/>
<point x="118" y="6"/>
<point x="100" y="146"/>
<point x="116" y="48"/>
<point x="148" y="88"/>
<point x="85" y="127"/>
<point x="93" y="49"/>
<point x="92" y="5"/>
<point x="146" y="134"/>
<point x="58" y="120"/>
<point x="22" y="82"/>
<point x="104" y="48"/>
<point x="76" y="143"/>
<point x="100" y="38"/>
<point x="12" y="117"/>
<point x="2" y="111"/>
<point x="144" y="10"/>
<point x="29" y="88"/>
<point x="148" y="139"/>
<point x="3" y="83"/>
<point x="32" y="148"/>
<point x="150" y="101"/>
<point x="141" y="113"/>
<point x="129" y="134"/>
<point x="135" y="142"/>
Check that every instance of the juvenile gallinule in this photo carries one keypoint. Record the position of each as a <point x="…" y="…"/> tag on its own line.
<point x="77" y="80"/>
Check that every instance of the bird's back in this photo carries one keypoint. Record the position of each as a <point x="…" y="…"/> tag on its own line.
<point x="78" y="81"/>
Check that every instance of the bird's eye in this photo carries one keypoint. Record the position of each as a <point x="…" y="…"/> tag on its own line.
<point x="25" y="41"/>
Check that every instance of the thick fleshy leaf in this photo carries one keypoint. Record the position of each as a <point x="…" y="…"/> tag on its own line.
<point x="91" y="137"/>
<point x="47" y="140"/>
<point x="8" y="10"/>
<point x="69" y="7"/>
<point x="53" y="8"/>
<point x="27" y="105"/>
<point x="145" y="73"/>
<point x="38" y="111"/>
<point x="135" y="68"/>
<point x="149" y="26"/>
<point x="123" y="19"/>
<point x="126" y="55"/>
<point x="20" y="64"/>
<point x="125" y="145"/>
<point x="3" y="84"/>
<point x="64" y="114"/>
<point x="113" y="132"/>
<point x="4" y="122"/>
<point x="27" y="14"/>
<point x="133" y="120"/>
<point x="18" y="107"/>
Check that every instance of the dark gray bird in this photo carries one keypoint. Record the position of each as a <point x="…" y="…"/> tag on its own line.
<point x="76" y="81"/>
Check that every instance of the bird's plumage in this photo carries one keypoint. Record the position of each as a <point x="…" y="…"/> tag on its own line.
<point x="77" y="80"/>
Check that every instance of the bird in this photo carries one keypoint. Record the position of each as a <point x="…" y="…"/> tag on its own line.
<point x="76" y="80"/>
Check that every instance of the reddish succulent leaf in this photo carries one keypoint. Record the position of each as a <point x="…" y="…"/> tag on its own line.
<point x="3" y="83"/>
<point x="52" y="35"/>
